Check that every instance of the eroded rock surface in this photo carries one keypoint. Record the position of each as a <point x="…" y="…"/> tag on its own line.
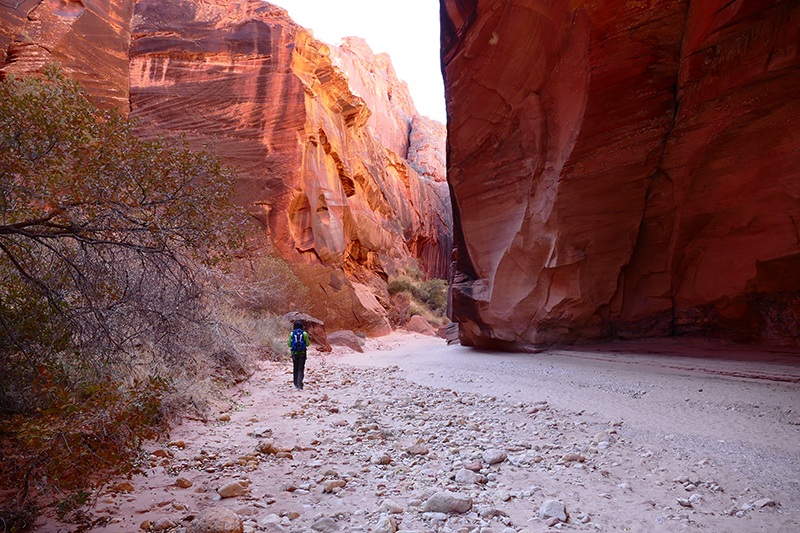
<point x="319" y="135"/>
<point x="336" y="165"/>
<point x="623" y="170"/>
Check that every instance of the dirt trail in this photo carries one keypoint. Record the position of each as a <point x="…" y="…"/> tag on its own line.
<point x="626" y="439"/>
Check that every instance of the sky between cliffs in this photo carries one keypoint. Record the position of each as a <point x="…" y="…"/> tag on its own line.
<point x="408" y="31"/>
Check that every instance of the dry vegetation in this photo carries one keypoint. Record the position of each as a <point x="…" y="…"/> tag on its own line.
<point x="411" y="295"/>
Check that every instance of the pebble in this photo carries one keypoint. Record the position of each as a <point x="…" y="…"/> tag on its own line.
<point x="390" y="506"/>
<point x="764" y="502"/>
<point x="325" y="525"/>
<point x="386" y="524"/>
<point x="380" y="459"/>
<point x="224" y="417"/>
<point x="162" y="524"/>
<point x="553" y="509"/>
<point x="216" y="520"/>
<point x="447" y="502"/>
<point x="494" y="456"/>
<point x="262" y="433"/>
<point x="231" y="490"/>
<point x="183" y="483"/>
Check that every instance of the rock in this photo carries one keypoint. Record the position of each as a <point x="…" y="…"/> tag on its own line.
<point x="502" y="495"/>
<point x="313" y="326"/>
<point x="764" y="502"/>
<point x="466" y="476"/>
<point x="553" y="509"/>
<point x="550" y="522"/>
<point x="380" y="459"/>
<point x="487" y="512"/>
<point x="390" y="506"/>
<point x="231" y="490"/>
<point x="224" y="417"/>
<point x="267" y="447"/>
<point x="331" y="485"/>
<point x="386" y="524"/>
<point x="695" y="498"/>
<point x="124" y="486"/>
<point x="262" y="433"/>
<point x="418" y="324"/>
<point x="571" y="457"/>
<point x="492" y="457"/>
<point x="474" y="466"/>
<point x="689" y="144"/>
<point x="451" y="333"/>
<point x="683" y="502"/>
<point x="177" y="444"/>
<point x="183" y="483"/>
<point x="162" y="524"/>
<point x="145" y="525"/>
<point x="216" y="520"/>
<point x="270" y="520"/>
<point x="417" y="449"/>
<point x="346" y="338"/>
<point x="322" y="169"/>
<point x="325" y="525"/>
<point x="447" y="502"/>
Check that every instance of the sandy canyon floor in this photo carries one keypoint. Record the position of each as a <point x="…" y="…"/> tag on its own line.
<point x="647" y="436"/>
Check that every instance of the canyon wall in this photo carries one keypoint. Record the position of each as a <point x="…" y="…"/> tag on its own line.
<point x="344" y="177"/>
<point x="623" y="169"/>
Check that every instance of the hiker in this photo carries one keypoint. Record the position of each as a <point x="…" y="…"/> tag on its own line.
<point x="298" y="343"/>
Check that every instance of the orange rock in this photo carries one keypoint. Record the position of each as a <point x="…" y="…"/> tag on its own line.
<point x="623" y="171"/>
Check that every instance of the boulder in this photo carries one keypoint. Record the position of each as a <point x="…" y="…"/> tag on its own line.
<point x="313" y="326"/>
<point x="346" y="338"/>
<point x="419" y="324"/>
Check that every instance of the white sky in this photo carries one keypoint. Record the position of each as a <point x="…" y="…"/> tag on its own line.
<point x="408" y="31"/>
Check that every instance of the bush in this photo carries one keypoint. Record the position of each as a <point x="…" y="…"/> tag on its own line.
<point x="412" y="296"/>
<point x="101" y="299"/>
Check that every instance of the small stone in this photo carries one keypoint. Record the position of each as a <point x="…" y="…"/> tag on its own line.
<point x="502" y="495"/>
<point x="329" y="486"/>
<point x="390" y="506"/>
<point x="447" y="502"/>
<point x="293" y="515"/>
<point x="550" y="522"/>
<point x="262" y="433"/>
<point x="746" y="507"/>
<point x="145" y="525"/>
<point x="177" y="444"/>
<point x="216" y="520"/>
<point x="183" y="483"/>
<point x="125" y="486"/>
<point x="162" y="524"/>
<point x="271" y="520"/>
<point x="764" y="502"/>
<point x="417" y="449"/>
<point x="380" y="459"/>
<point x="553" y="509"/>
<point x="684" y="502"/>
<point x="161" y="452"/>
<point x="494" y="456"/>
<point x="475" y="466"/>
<point x="267" y="447"/>
<point x="325" y="525"/>
<point x="224" y="417"/>
<point x="386" y="524"/>
<point x="572" y="457"/>
<point x="231" y="490"/>
<point x="689" y="487"/>
<point x="466" y="476"/>
<point x="694" y="498"/>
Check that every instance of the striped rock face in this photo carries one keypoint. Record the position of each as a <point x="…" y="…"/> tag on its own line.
<point x="623" y="169"/>
<point x="343" y="176"/>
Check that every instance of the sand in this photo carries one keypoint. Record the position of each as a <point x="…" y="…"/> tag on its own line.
<point x="641" y="436"/>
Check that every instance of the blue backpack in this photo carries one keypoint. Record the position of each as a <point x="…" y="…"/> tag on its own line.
<point x="298" y="341"/>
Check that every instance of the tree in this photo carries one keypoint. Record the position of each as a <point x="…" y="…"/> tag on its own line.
<point x="99" y="232"/>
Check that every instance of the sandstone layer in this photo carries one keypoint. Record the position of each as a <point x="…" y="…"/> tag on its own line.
<point x="336" y="165"/>
<point x="88" y="38"/>
<point x="623" y="169"/>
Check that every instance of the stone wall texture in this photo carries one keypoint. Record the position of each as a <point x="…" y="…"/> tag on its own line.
<point x="623" y="169"/>
<point x="335" y="164"/>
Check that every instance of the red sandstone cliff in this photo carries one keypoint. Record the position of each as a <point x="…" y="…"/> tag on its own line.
<point x="334" y="161"/>
<point x="624" y="169"/>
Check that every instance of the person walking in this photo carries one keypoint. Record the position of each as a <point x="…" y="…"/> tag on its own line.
<point x="298" y="343"/>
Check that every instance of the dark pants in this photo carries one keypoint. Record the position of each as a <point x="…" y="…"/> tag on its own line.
<point x="299" y="360"/>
